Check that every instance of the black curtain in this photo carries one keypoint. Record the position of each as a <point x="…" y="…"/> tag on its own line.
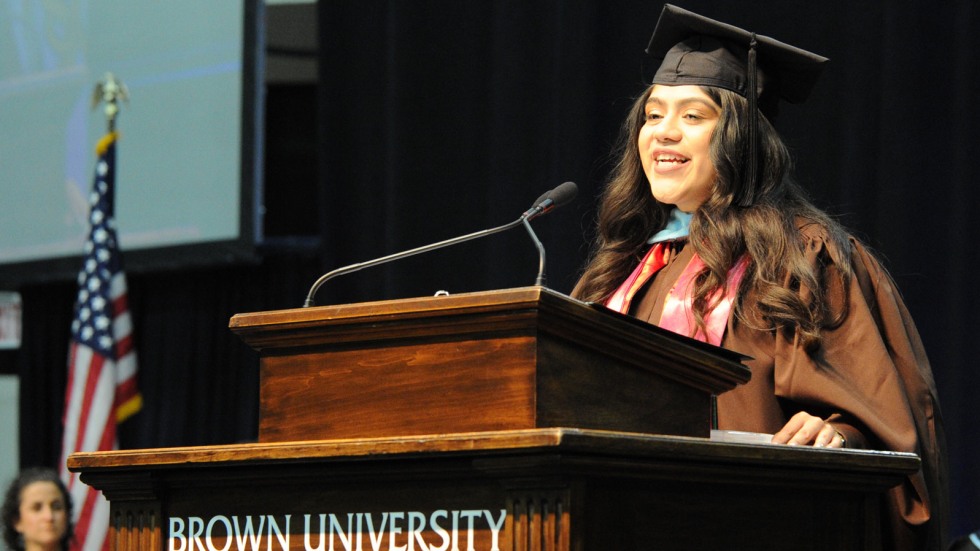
<point x="438" y="118"/>
<point x="199" y="382"/>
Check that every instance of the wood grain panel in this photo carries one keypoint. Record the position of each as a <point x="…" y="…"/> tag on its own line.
<point x="435" y="387"/>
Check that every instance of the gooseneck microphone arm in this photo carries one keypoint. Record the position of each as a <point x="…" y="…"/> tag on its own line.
<point x="404" y="254"/>
<point x="537" y="243"/>
<point x="548" y="201"/>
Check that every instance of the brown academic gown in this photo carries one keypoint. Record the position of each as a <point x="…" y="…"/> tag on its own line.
<point x="870" y="377"/>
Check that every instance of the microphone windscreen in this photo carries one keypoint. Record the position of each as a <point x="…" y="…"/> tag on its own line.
<point x="564" y="193"/>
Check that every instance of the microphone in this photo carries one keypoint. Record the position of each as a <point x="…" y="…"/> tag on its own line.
<point x="552" y="199"/>
<point x="547" y="202"/>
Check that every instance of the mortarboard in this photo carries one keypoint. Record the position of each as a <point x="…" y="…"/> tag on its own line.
<point x="697" y="50"/>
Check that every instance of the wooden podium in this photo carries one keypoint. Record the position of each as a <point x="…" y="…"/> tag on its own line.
<point x="512" y="359"/>
<point x="513" y="420"/>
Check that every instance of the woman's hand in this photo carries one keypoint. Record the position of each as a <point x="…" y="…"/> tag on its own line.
<point x="804" y="429"/>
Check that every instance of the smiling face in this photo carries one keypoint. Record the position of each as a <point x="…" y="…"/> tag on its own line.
<point x="675" y="145"/>
<point x="43" y="517"/>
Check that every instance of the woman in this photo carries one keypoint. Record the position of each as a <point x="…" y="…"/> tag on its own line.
<point x="702" y="232"/>
<point x="37" y="512"/>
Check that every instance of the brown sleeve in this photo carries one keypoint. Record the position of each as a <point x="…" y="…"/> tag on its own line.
<point x="871" y="377"/>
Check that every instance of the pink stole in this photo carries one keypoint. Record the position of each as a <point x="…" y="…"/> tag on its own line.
<point x="677" y="315"/>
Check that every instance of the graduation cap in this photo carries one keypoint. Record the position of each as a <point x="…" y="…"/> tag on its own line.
<point x="700" y="51"/>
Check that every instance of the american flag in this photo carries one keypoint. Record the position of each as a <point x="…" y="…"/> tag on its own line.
<point x="101" y="389"/>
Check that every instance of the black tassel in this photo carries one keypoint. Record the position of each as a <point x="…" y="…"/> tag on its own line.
<point x="751" y="177"/>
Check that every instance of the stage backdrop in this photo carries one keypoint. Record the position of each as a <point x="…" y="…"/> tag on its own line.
<point x="439" y="118"/>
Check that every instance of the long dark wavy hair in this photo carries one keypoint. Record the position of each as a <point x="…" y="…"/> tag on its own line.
<point x="11" y="506"/>
<point x="759" y="220"/>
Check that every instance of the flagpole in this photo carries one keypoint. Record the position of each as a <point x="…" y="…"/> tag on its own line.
<point x="101" y="390"/>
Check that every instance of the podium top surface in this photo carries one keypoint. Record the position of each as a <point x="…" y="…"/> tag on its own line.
<point x="555" y="442"/>
<point x="532" y="302"/>
<point x="534" y="309"/>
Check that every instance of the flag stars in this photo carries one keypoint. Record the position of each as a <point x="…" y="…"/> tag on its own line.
<point x="94" y="310"/>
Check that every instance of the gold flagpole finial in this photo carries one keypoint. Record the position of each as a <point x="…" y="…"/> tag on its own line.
<point x="110" y="90"/>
